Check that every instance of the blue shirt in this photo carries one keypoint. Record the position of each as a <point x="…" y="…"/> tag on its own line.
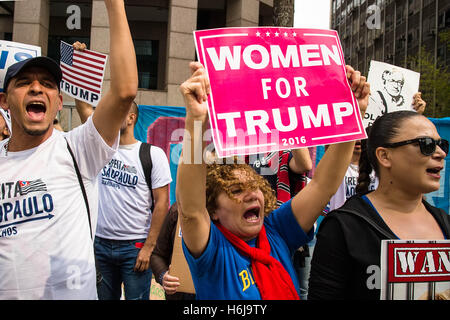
<point x="223" y="273"/>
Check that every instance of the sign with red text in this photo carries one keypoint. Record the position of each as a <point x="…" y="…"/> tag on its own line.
<point x="277" y="88"/>
<point x="415" y="269"/>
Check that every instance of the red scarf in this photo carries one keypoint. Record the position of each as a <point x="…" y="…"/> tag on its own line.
<point x="272" y="280"/>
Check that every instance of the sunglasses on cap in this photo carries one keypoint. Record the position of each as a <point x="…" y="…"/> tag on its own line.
<point x="427" y="144"/>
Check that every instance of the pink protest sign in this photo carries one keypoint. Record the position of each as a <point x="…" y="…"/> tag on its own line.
<point x="277" y="88"/>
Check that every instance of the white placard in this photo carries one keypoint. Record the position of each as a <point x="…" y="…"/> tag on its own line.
<point x="12" y="52"/>
<point x="392" y="89"/>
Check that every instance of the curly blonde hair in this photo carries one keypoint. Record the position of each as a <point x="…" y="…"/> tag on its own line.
<point x="220" y="177"/>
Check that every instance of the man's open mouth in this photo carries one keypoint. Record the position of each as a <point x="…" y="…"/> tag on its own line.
<point x="36" y="110"/>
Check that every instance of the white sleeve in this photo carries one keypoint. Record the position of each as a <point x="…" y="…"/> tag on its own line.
<point x="160" y="168"/>
<point x="339" y="198"/>
<point x="91" y="152"/>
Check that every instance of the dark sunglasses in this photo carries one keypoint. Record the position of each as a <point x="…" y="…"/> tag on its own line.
<point x="427" y="145"/>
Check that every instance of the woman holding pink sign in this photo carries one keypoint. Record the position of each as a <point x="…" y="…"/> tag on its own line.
<point x="237" y="246"/>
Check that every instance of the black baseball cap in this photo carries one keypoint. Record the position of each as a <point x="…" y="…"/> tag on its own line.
<point x="44" y="62"/>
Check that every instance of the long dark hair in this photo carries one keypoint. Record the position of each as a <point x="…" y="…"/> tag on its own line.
<point x="364" y="167"/>
<point x="383" y="130"/>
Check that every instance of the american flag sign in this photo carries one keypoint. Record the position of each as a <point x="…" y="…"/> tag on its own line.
<point x="83" y="73"/>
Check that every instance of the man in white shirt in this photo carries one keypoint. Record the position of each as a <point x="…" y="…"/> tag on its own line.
<point x="348" y="185"/>
<point x="128" y="226"/>
<point x="46" y="249"/>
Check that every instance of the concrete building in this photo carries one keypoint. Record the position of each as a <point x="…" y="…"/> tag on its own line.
<point x="161" y="30"/>
<point x="390" y="30"/>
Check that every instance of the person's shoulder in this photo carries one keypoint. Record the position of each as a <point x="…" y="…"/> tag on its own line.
<point x="355" y="205"/>
<point x="439" y="212"/>
<point x="155" y="148"/>
<point x="86" y="126"/>
<point x="157" y="153"/>
<point x="352" y="215"/>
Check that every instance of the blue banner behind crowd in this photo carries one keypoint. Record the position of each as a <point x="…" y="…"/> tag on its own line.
<point x="145" y="132"/>
<point x="148" y="115"/>
<point x="441" y="197"/>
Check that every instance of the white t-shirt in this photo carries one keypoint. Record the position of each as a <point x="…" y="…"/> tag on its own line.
<point x="124" y="198"/>
<point x="348" y="186"/>
<point x="46" y="251"/>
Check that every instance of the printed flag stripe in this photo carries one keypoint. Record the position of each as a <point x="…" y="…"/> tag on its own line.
<point x="80" y="85"/>
<point x="84" y="81"/>
<point x="80" y="56"/>
<point x="86" y="61"/>
<point x="75" y="60"/>
<point x="69" y="69"/>
<point x="95" y="54"/>
<point x="32" y="186"/>
<point x="86" y="70"/>
<point x="68" y="77"/>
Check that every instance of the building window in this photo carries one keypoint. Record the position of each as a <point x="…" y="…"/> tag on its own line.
<point x="399" y="15"/>
<point x="410" y="37"/>
<point x="147" y="63"/>
<point x="441" y="53"/>
<point x="148" y="21"/>
<point x="447" y="18"/>
<point x="441" y="20"/>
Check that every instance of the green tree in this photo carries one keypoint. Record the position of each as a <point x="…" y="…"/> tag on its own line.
<point x="283" y="13"/>
<point x="434" y="81"/>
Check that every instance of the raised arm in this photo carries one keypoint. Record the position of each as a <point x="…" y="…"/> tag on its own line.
<point x="418" y="103"/>
<point x="115" y="103"/>
<point x="191" y="176"/>
<point x="301" y="160"/>
<point x="84" y="110"/>
<point x="159" y="213"/>
<point x="162" y="254"/>
<point x="308" y="204"/>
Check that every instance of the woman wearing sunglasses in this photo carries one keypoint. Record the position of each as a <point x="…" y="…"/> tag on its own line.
<point x="407" y="154"/>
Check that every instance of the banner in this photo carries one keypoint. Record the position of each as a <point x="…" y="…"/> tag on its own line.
<point x="415" y="270"/>
<point x="392" y="89"/>
<point x="12" y="52"/>
<point x="163" y="126"/>
<point x="441" y="198"/>
<point x="277" y="88"/>
<point x="83" y="73"/>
